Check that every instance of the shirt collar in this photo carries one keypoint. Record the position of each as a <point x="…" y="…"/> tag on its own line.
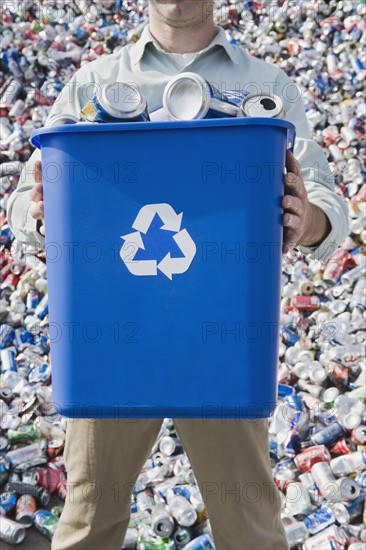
<point x="138" y="49"/>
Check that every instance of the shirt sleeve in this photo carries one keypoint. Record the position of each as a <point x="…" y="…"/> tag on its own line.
<point x="317" y="175"/>
<point x="70" y="101"/>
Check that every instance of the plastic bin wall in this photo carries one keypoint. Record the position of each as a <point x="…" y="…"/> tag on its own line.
<point x="180" y="316"/>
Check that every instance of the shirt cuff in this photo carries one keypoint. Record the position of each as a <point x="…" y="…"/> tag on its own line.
<point x="30" y="227"/>
<point x="330" y="244"/>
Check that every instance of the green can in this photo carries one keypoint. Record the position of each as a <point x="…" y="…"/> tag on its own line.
<point x="156" y="543"/>
<point x="46" y="523"/>
<point x="23" y="433"/>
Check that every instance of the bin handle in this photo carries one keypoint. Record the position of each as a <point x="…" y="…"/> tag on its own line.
<point x="35" y="140"/>
<point x="291" y="134"/>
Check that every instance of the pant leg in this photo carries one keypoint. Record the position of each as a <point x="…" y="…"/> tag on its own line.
<point x="103" y="458"/>
<point x="230" y="460"/>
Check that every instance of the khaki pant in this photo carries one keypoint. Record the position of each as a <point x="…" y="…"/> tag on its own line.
<point x="230" y="461"/>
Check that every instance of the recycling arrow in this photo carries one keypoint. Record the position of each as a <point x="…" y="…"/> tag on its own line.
<point x="170" y="266"/>
<point x="133" y="242"/>
<point x="172" y="221"/>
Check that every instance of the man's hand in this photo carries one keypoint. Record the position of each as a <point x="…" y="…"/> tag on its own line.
<point x="37" y="209"/>
<point x="304" y="223"/>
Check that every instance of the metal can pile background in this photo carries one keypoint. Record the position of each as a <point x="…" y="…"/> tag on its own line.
<point x="318" y="431"/>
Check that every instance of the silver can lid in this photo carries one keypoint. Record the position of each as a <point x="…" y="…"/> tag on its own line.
<point x="348" y="488"/>
<point x="262" y="105"/>
<point x="121" y="100"/>
<point x="62" y="118"/>
<point x="185" y="96"/>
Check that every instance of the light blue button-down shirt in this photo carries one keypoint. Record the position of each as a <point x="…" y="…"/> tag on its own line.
<point x="223" y="64"/>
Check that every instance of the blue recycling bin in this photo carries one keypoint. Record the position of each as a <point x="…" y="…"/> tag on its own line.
<point x="163" y="249"/>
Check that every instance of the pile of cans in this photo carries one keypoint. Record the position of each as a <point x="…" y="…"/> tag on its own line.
<point x="318" y="430"/>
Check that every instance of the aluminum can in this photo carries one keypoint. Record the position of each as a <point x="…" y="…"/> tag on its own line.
<point x="24" y="454"/>
<point x="130" y="539"/>
<point x="8" y="501"/>
<point x="161" y="521"/>
<point x="6" y="335"/>
<point x="296" y="533"/>
<point x="188" y="96"/>
<point x="324" y="479"/>
<point x="350" y="512"/>
<point x="21" y="488"/>
<point x="116" y="102"/>
<point x="8" y="360"/>
<point x="61" y="118"/>
<point x="360" y="479"/>
<point x="10" y="531"/>
<point x="347" y="464"/>
<point x="310" y="303"/>
<point x="145" y="500"/>
<point x="297" y="499"/>
<point x="46" y="523"/>
<point x="262" y="105"/>
<point x="170" y="445"/>
<point x="335" y="266"/>
<point x="25" y="510"/>
<point x="203" y="542"/>
<point x="310" y="456"/>
<point x="359" y="435"/>
<point x="182" y="536"/>
<point x="328" y="539"/>
<point x="182" y="510"/>
<point x="319" y="520"/>
<point x="329" y="434"/>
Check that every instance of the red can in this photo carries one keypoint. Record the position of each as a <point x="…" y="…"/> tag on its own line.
<point x="283" y="477"/>
<point x="62" y="489"/>
<point x="25" y="509"/>
<point x="305" y="302"/>
<point x="335" y="265"/>
<point x="343" y="447"/>
<point x="358" y="435"/>
<point x="50" y="478"/>
<point x="55" y="447"/>
<point x="310" y="456"/>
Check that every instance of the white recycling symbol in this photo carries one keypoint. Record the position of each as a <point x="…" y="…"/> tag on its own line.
<point x="133" y="242"/>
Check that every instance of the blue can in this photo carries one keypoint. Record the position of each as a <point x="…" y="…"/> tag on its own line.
<point x="8" y="360"/>
<point x="21" y="337"/>
<point x="319" y="520"/>
<point x="328" y="435"/>
<point x="32" y="300"/>
<point x="40" y="373"/>
<point x="356" y="123"/>
<point x="7" y="502"/>
<point x="6" y="235"/>
<point x="360" y="479"/>
<point x="203" y="542"/>
<point x="42" y="308"/>
<point x="4" y="469"/>
<point x="284" y="391"/>
<point x="6" y="336"/>
<point x="116" y="102"/>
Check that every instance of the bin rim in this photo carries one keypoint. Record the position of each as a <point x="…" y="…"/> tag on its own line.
<point x="161" y="125"/>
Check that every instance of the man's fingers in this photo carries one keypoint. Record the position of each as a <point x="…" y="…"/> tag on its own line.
<point x="291" y="220"/>
<point x="292" y="165"/>
<point x="38" y="171"/>
<point x="290" y="240"/>
<point x="295" y="185"/>
<point x="37" y="192"/>
<point x="41" y="207"/>
<point x="292" y="204"/>
<point x="36" y="211"/>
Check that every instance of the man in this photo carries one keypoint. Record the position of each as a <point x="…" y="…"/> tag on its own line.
<point x="230" y="458"/>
